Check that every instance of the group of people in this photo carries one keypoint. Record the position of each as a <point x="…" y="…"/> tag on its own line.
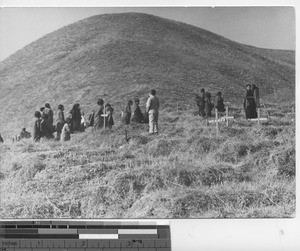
<point x="133" y="114"/>
<point x="44" y="126"/>
<point x="205" y="104"/>
<point x="251" y="102"/>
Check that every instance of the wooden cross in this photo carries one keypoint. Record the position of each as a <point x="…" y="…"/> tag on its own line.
<point x="222" y="119"/>
<point x="258" y="119"/>
<point x="104" y="115"/>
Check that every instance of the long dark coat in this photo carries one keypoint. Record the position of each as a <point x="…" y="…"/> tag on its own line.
<point x="98" y="119"/>
<point x="219" y="104"/>
<point x="249" y="105"/>
<point x="137" y="115"/>
<point x="208" y="106"/>
<point x="201" y="104"/>
<point x="76" y="120"/>
<point x="126" y="115"/>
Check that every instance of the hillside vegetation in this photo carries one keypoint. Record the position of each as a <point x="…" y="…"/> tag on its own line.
<point x="120" y="56"/>
<point x="187" y="171"/>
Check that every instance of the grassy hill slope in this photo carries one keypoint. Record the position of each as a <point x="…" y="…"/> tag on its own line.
<point x="119" y="56"/>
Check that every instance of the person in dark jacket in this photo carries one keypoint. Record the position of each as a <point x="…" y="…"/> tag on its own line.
<point x="23" y="134"/>
<point x="200" y="99"/>
<point x="219" y="102"/>
<point x="137" y="115"/>
<point x="45" y="127"/>
<point x="1" y="139"/>
<point x="50" y="114"/>
<point x="208" y="105"/>
<point x="249" y="104"/>
<point x="109" y="121"/>
<point x="255" y="91"/>
<point x="75" y="118"/>
<point x="60" y="121"/>
<point x="98" y="119"/>
<point x="37" y="132"/>
<point x="126" y="114"/>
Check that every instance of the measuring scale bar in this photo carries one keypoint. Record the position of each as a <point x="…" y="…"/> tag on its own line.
<point x="84" y="236"/>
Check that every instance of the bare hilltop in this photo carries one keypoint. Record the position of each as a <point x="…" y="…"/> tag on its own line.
<point x="120" y="56"/>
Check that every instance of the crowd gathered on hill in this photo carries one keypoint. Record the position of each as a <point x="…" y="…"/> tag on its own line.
<point x="74" y="121"/>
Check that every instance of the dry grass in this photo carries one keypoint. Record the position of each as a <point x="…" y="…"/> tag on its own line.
<point x="185" y="172"/>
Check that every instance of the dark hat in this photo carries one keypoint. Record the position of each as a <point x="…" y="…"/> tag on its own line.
<point x="37" y="114"/>
<point x="60" y="107"/>
<point x="202" y="90"/>
<point x="153" y="92"/>
<point x="248" y="85"/>
<point x="100" y="101"/>
<point x="47" y="105"/>
<point x="42" y="109"/>
<point x="219" y="93"/>
<point x="130" y="102"/>
<point x="108" y="105"/>
<point x="23" y="129"/>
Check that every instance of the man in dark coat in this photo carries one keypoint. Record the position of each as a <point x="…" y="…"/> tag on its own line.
<point x="37" y="132"/>
<point x="208" y="105"/>
<point x="219" y="103"/>
<point x="1" y="139"/>
<point x="98" y="119"/>
<point x="76" y="118"/>
<point x="249" y="104"/>
<point x="201" y="103"/>
<point x="137" y="115"/>
<point x="127" y="113"/>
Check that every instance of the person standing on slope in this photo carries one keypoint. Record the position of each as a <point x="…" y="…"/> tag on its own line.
<point x="109" y="121"/>
<point x="152" y="107"/>
<point x="126" y="113"/>
<point x="137" y="115"/>
<point x="219" y="102"/>
<point x="208" y="105"/>
<point x="60" y="121"/>
<point x="98" y="119"/>
<point x="249" y="103"/>
<point x="201" y="103"/>
<point x="49" y="113"/>
<point x="66" y="131"/>
<point x="1" y="139"/>
<point x="255" y="91"/>
<point x="75" y="118"/>
<point x="37" y="132"/>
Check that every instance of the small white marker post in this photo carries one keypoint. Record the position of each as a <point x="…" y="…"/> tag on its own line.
<point x="217" y="122"/>
<point x="227" y="115"/>
<point x="258" y="116"/>
<point x="104" y="115"/>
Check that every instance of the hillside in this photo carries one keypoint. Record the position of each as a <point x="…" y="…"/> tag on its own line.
<point x="187" y="170"/>
<point x="120" y="56"/>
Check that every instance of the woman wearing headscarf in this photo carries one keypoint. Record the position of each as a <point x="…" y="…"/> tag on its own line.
<point x="249" y="103"/>
<point x="98" y="118"/>
<point x="127" y="113"/>
<point x="76" y="118"/>
<point x="137" y="115"/>
<point x="208" y="105"/>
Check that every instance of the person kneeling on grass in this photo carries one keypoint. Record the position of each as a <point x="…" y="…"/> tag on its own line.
<point x="66" y="132"/>
<point x="152" y="106"/>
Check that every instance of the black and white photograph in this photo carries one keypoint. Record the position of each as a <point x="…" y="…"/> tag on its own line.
<point x="147" y="112"/>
